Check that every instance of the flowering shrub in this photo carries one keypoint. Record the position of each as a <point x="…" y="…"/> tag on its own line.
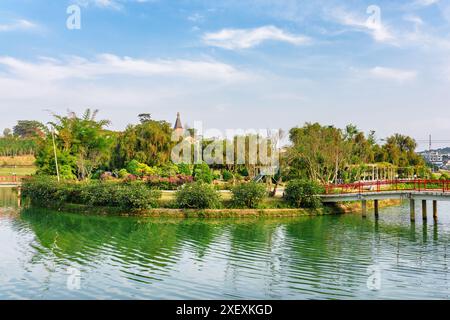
<point x="170" y="183"/>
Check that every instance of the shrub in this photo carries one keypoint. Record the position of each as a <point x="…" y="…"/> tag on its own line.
<point x="123" y="173"/>
<point x="185" y="169"/>
<point x="140" y="169"/>
<point x="171" y="183"/>
<point x="227" y="175"/>
<point x="248" y="195"/>
<point x="203" y="173"/>
<point x="47" y="191"/>
<point x="301" y="193"/>
<point x="197" y="195"/>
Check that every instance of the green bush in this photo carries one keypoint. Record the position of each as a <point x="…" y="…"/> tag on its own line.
<point x="227" y="175"/>
<point x="197" y="195"/>
<point x="123" y="173"/>
<point x="248" y="195"/>
<point x="49" y="192"/>
<point x="444" y="176"/>
<point x="203" y="173"/>
<point x="185" y="169"/>
<point x="301" y="193"/>
<point x="140" y="169"/>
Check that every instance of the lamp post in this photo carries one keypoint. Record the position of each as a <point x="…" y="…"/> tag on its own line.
<point x="54" y="151"/>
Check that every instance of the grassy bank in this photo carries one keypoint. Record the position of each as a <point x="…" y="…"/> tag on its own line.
<point x="355" y="206"/>
<point x="17" y="161"/>
<point x="191" y="213"/>
<point x="19" y="171"/>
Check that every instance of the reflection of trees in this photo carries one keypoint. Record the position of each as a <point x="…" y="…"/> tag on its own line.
<point x="8" y="198"/>
<point x="255" y="251"/>
<point x="145" y="243"/>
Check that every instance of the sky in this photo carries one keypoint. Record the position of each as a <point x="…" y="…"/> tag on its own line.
<point x="232" y="64"/>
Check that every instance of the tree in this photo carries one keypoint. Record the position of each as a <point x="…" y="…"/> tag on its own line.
<point x="7" y="132"/>
<point x="400" y="150"/>
<point x="144" y="117"/>
<point x="318" y="152"/>
<point x="149" y="142"/>
<point x="28" y="129"/>
<point x="83" y="145"/>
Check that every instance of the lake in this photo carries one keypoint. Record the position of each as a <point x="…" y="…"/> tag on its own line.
<point x="54" y="255"/>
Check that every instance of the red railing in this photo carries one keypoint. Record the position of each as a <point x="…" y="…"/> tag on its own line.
<point x="10" y="179"/>
<point x="389" y="185"/>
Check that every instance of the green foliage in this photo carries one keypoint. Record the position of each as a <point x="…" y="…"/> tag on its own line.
<point x="203" y="173"/>
<point x="243" y="172"/>
<point x="302" y="193"/>
<point x="248" y="195"/>
<point x="135" y="195"/>
<point x="197" y="195"/>
<point x="185" y="169"/>
<point x="28" y="129"/>
<point x="11" y="146"/>
<point x="47" y="191"/>
<point x="140" y="169"/>
<point x="122" y="173"/>
<point x="325" y="153"/>
<point x="227" y="175"/>
<point x="45" y="162"/>
<point x="167" y="183"/>
<point x="168" y="170"/>
<point x="149" y="142"/>
<point x="82" y="143"/>
<point x="444" y="176"/>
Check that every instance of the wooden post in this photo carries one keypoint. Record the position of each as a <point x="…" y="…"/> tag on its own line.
<point x="412" y="209"/>
<point x="424" y="210"/>
<point x="364" y="208"/>
<point x="435" y="210"/>
<point x="376" y="208"/>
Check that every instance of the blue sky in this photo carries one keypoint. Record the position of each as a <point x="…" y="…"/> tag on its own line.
<point x="232" y="64"/>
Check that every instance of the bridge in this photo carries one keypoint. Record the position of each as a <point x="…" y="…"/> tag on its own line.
<point x="10" y="181"/>
<point x="422" y="190"/>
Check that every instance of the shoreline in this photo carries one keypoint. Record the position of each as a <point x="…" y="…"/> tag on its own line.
<point x="338" y="209"/>
<point x="194" y="213"/>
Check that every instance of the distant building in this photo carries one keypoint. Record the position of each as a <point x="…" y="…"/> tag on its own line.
<point x="434" y="158"/>
<point x="178" y="127"/>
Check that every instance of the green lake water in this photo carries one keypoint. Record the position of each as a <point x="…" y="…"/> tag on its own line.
<point x="51" y="255"/>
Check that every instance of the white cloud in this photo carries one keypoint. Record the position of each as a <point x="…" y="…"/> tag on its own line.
<point x="246" y="38"/>
<point x="416" y="20"/>
<point x="107" y="4"/>
<point x="398" y="75"/>
<point x="108" y="64"/>
<point x="425" y="3"/>
<point x="20" y="24"/>
<point x="379" y="31"/>
<point x="196" y="17"/>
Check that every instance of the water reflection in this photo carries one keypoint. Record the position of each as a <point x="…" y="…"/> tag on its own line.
<point x="301" y="258"/>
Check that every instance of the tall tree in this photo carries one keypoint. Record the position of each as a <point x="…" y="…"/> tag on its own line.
<point x="28" y="129"/>
<point x="149" y="142"/>
<point x="83" y="144"/>
<point x="317" y="152"/>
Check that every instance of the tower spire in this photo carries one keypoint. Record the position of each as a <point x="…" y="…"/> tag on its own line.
<point x="178" y="125"/>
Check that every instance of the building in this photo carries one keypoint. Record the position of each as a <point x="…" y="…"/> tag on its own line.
<point x="434" y="158"/>
<point x="178" y="127"/>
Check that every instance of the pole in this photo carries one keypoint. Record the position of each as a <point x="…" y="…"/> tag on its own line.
<point x="54" y="151"/>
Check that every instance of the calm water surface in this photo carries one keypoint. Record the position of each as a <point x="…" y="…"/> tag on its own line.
<point x="296" y="258"/>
